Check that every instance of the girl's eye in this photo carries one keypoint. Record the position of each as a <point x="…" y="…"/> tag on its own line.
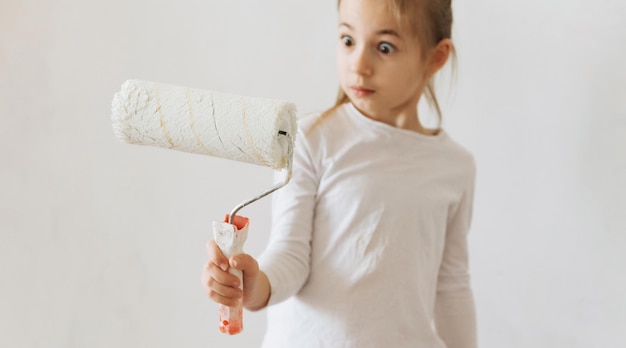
<point x="386" y="48"/>
<point x="347" y="40"/>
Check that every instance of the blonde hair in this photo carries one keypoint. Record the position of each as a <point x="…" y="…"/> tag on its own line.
<point x="430" y="21"/>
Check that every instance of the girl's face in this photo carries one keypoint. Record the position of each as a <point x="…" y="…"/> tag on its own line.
<point x="379" y="64"/>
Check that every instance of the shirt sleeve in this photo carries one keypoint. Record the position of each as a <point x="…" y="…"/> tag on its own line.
<point x="455" y="316"/>
<point x="286" y="260"/>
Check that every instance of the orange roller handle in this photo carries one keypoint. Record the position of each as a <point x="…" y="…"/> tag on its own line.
<point x="230" y="239"/>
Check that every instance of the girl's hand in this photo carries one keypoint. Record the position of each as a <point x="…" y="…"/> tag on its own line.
<point x="223" y="287"/>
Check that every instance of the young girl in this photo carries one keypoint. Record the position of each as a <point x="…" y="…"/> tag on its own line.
<point x="369" y="240"/>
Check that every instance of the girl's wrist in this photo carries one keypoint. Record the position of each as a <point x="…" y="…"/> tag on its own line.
<point x="261" y="296"/>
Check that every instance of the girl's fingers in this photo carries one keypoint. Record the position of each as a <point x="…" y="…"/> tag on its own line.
<point x="226" y="301"/>
<point x="221" y="286"/>
<point x="223" y="292"/>
<point x="214" y="274"/>
<point x="216" y="256"/>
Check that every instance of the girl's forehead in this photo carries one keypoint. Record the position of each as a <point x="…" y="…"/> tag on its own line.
<point x="369" y="15"/>
<point x="369" y="11"/>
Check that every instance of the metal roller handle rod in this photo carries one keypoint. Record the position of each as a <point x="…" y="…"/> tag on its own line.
<point x="285" y="181"/>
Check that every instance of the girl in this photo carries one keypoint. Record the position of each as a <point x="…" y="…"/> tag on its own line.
<point x="369" y="240"/>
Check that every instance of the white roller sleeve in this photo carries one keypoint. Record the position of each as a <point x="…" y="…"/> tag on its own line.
<point x="210" y="123"/>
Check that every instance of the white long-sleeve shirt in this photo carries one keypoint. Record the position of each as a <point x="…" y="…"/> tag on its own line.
<point x="369" y="239"/>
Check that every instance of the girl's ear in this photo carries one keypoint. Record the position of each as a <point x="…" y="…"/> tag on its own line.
<point x="439" y="56"/>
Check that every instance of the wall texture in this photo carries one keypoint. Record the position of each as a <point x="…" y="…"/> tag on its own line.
<point x="102" y="243"/>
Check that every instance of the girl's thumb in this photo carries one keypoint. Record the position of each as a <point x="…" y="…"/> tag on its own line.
<point x="245" y="263"/>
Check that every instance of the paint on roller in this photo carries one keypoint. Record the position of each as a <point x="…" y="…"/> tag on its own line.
<point x="217" y="131"/>
<point x="193" y="125"/>
<point x="166" y="134"/>
<point x="250" y="140"/>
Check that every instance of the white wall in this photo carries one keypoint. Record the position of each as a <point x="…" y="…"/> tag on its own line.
<point x="102" y="243"/>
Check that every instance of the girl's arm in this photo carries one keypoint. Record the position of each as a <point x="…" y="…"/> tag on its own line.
<point x="286" y="260"/>
<point x="455" y="316"/>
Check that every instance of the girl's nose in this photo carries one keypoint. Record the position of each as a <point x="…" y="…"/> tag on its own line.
<point x="361" y="62"/>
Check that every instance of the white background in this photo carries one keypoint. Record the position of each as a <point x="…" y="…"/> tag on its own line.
<point x="102" y="243"/>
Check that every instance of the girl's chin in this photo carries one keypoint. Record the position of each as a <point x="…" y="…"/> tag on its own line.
<point x="365" y="108"/>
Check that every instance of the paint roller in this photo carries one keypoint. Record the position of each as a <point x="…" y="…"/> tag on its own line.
<point x="246" y="129"/>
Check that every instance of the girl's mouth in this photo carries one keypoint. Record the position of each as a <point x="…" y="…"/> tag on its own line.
<point x="362" y="92"/>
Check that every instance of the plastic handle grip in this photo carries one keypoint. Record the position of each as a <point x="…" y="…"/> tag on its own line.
<point x="230" y="240"/>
